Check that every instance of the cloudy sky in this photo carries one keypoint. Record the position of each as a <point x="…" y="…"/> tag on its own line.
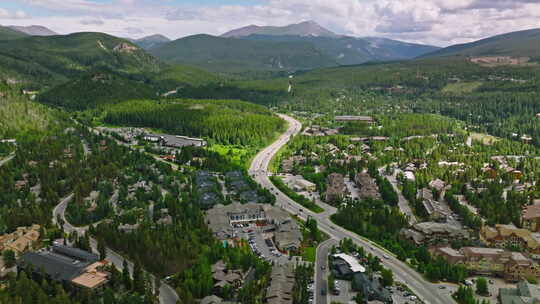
<point x="438" y="22"/>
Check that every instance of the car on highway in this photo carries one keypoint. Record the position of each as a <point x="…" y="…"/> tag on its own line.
<point x="323" y="267"/>
<point x="386" y="256"/>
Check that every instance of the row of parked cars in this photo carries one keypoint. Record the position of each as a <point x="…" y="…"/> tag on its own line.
<point x="311" y="291"/>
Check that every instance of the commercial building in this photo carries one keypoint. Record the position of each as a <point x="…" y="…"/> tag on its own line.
<point x="504" y="236"/>
<point x="67" y="264"/>
<point x="366" y="119"/>
<point x="222" y="219"/>
<point x="371" y="289"/>
<point x="175" y="141"/>
<point x="346" y="266"/>
<point x="301" y="184"/>
<point x="512" y="266"/>
<point x="524" y="293"/>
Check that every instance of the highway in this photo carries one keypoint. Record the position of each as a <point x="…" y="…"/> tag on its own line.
<point x="426" y="291"/>
<point x="167" y="295"/>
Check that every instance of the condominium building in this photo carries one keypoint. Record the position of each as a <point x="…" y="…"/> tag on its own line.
<point x="505" y="236"/>
<point x="512" y="266"/>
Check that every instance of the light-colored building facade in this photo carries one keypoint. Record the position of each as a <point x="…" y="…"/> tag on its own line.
<point x="512" y="266"/>
<point x="505" y="236"/>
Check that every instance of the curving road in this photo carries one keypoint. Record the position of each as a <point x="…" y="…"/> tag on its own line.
<point x="167" y="294"/>
<point x="426" y="291"/>
<point x="7" y="159"/>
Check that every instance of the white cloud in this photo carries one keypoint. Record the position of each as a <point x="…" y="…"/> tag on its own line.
<point x="440" y="22"/>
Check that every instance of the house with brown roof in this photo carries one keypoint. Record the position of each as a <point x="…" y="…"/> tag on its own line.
<point x="21" y="240"/>
<point x="226" y="277"/>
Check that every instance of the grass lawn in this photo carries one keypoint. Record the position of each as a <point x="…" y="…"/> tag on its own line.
<point x="234" y="154"/>
<point x="461" y="87"/>
<point x="309" y="254"/>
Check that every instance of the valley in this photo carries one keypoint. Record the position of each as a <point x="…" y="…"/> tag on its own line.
<point x="271" y="164"/>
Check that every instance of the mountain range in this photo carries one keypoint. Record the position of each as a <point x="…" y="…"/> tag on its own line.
<point x="49" y="60"/>
<point x="303" y="29"/>
<point x="33" y="30"/>
<point x="301" y="46"/>
<point x="518" y="44"/>
<point x="150" y="42"/>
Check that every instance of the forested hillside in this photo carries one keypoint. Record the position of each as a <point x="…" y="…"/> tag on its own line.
<point x="235" y="55"/>
<point x="20" y="116"/>
<point x="502" y="101"/>
<point x="7" y="33"/>
<point x="96" y="89"/>
<point x="223" y="121"/>
<point x="51" y="60"/>
<point x="521" y="43"/>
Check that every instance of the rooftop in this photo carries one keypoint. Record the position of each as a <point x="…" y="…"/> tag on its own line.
<point x="531" y="212"/>
<point x="351" y="261"/>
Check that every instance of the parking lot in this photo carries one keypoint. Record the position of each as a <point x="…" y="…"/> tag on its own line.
<point x="346" y="294"/>
<point x="261" y="244"/>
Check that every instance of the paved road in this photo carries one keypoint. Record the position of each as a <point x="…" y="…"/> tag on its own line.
<point x="7" y="159"/>
<point x="428" y="292"/>
<point x="321" y="275"/>
<point x="167" y="295"/>
<point x="403" y="203"/>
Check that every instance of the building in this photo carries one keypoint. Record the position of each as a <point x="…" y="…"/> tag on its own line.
<point x="504" y="236"/>
<point x="436" y="210"/>
<point x="280" y="290"/>
<point x="226" y="277"/>
<point x="524" y="293"/>
<point x="301" y="184"/>
<point x="437" y="184"/>
<point x="367" y="185"/>
<point x="345" y="266"/>
<point x="335" y="187"/>
<point x="66" y="264"/>
<point x="434" y="233"/>
<point x="512" y="266"/>
<point x="287" y="236"/>
<point x="21" y="240"/>
<point x="175" y="141"/>
<point x="531" y="218"/>
<point x="371" y="288"/>
<point x="366" y="119"/>
<point x="223" y="219"/>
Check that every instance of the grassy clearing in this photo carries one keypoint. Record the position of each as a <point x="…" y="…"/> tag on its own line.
<point x="309" y="254"/>
<point x="461" y="87"/>
<point x="236" y="155"/>
<point x="485" y="139"/>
